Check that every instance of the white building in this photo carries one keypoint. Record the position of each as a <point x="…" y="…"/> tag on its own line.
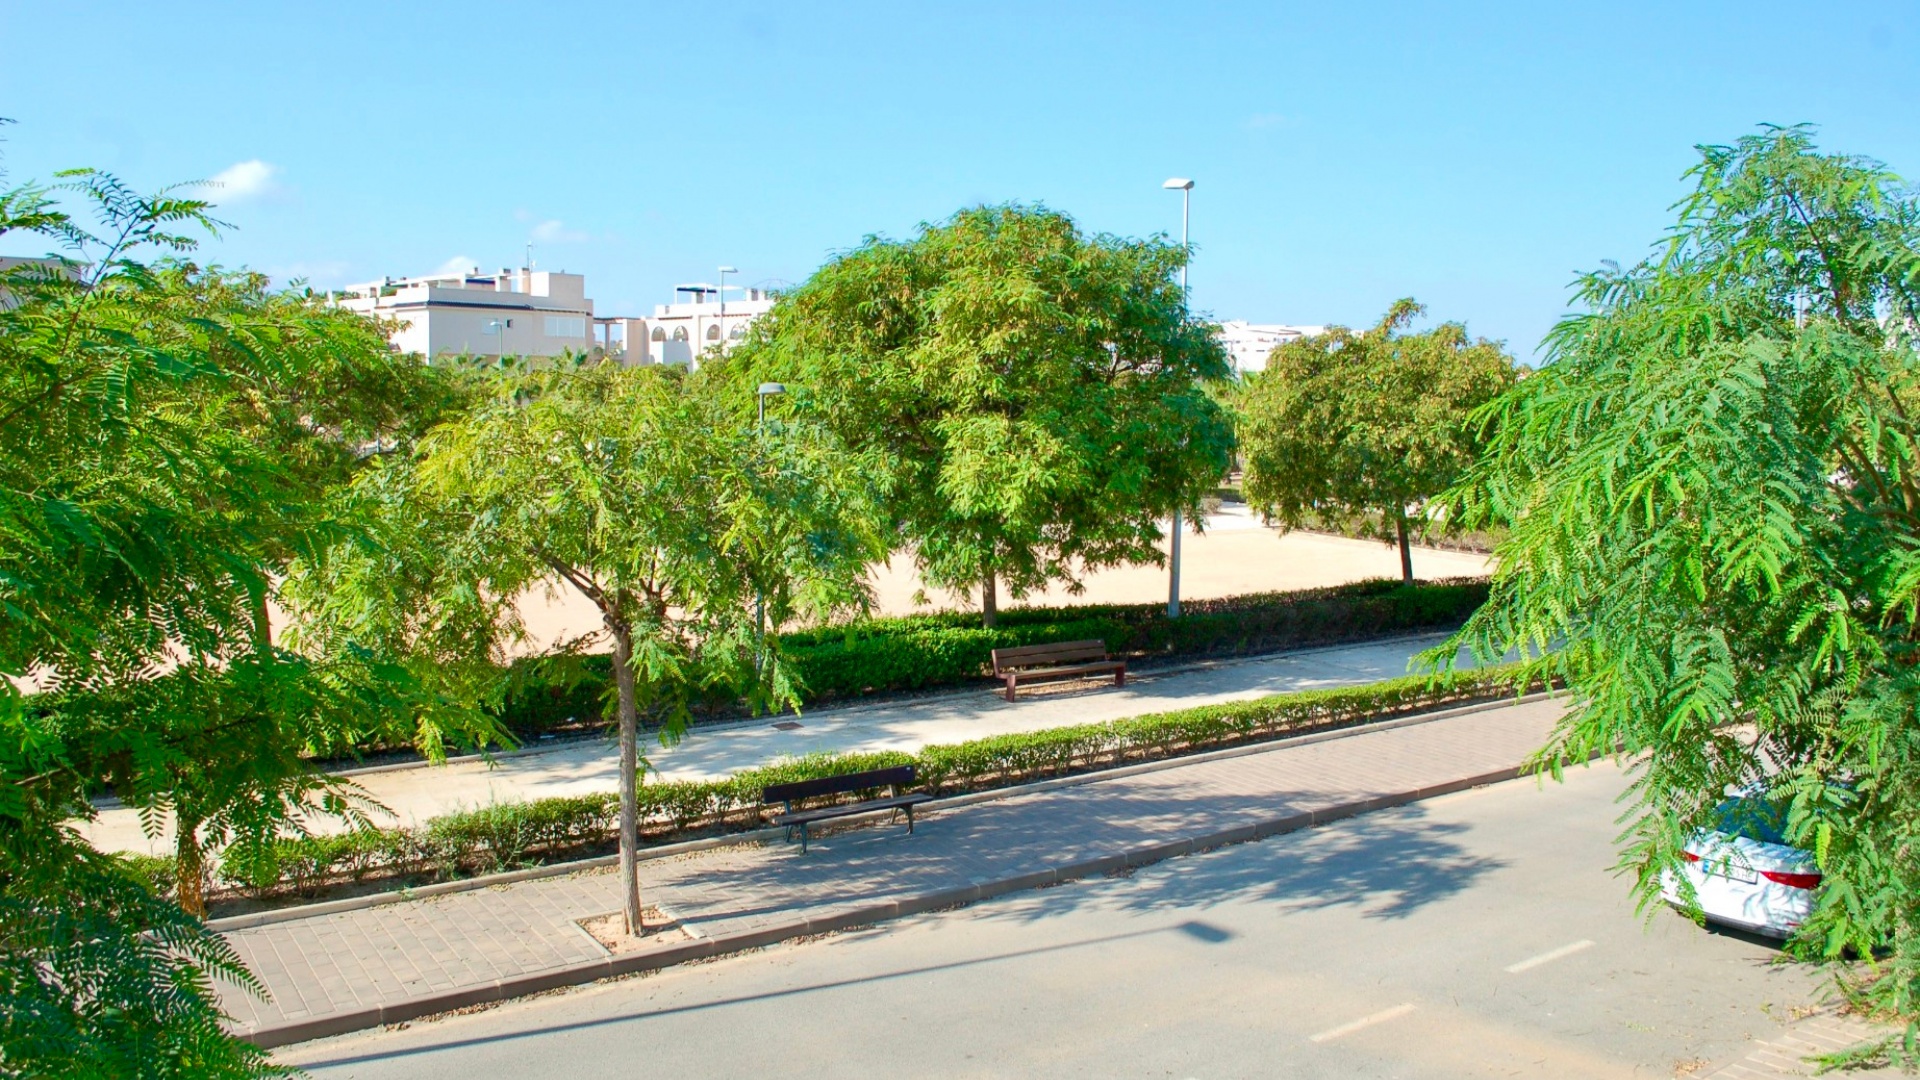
<point x="1250" y="343"/>
<point x="679" y="332"/>
<point x="512" y="313"/>
<point x="540" y="313"/>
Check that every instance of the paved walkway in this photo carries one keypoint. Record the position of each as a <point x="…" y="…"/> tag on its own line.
<point x="355" y="969"/>
<point x="415" y="794"/>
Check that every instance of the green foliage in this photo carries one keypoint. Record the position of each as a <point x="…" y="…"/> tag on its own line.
<point x="102" y="977"/>
<point x="1359" y="430"/>
<point x="1715" y="513"/>
<point x="917" y="652"/>
<point x="1032" y="399"/>
<point x="636" y="487"/>
<point x="170" y="436"/>
<point x="511" y="835"/>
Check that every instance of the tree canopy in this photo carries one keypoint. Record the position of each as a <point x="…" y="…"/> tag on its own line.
<point x="1361" y="429"/>
<point x="688" y="527"/>
<point x="1714" y="501"/>
<point x="1034" y="398"/>
<point x="170" y="436"/>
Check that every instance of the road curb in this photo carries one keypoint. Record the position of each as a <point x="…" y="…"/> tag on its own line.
<point x="271" y="916"/>
<point x="844" y="919"/>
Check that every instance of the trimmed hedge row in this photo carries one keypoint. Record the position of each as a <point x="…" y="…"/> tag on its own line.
<point x="515" y="834"/>
<point x="918" y="652"/>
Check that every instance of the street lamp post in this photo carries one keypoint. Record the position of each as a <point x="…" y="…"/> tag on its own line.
<point x="1185" y="187"/>
<point x="724" y="271"/>
<point x="500" y="327"/>
<point x="766" y="390"/>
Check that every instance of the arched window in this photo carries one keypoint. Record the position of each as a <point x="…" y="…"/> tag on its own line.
<point x="659" y="333"/>
<point x="737" y="333"/>
<point x="713" y="332"/>
<point x="679" y="333"/>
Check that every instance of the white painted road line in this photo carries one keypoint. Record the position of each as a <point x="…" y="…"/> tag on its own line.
<point x="1548" y="957"/>
<point x="1364" y="1022"/>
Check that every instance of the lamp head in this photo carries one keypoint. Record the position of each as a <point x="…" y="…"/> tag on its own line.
<point x="1178" y="183"/>
<point x="729" y="269"/>
<point x="768" y="389"/>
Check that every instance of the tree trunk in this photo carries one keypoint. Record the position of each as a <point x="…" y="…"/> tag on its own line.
<point x="629" y="773"/>
<point x="1406" y="547"/>
<point x="263" y="621"/>
<point x="989" y="600"/>
<point x="189" y="869"/>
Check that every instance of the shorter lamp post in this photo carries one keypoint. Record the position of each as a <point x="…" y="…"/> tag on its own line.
<point x="500" y="327"/>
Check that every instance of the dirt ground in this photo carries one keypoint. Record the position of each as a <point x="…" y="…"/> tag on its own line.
<point x="1235" y="555"/>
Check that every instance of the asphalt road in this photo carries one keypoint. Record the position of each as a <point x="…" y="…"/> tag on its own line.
<point x="1479" y="934"/>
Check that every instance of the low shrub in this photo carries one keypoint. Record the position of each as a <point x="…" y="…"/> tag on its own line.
<point x="517" y="834"/>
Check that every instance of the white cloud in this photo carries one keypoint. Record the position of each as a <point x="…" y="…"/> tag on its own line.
<point x="556" y="232"/>
<point x="243" y="180"/>
<point x="459" y="264"/>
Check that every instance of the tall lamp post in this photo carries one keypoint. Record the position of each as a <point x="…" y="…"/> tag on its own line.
<point x="724" y="271"/>
<point x="1185" y="187"/>
<point x="766" y="390"/>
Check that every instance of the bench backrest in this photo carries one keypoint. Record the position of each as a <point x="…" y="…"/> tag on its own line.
<point x="1060" y="652"/>
<point x="837" y="785"/>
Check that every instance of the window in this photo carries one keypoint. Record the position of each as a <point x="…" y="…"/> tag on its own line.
<point x="566" y="326"/>
<point x="659" y="333"/>
<point x="679" y="333"/>
<point x="713" y="332"/>
<point x="738" y="333"/>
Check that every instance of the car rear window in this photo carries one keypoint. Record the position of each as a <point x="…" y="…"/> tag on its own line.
<point x="1752" y="819"/>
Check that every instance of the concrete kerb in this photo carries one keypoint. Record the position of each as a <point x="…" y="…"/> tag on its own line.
<point x="761" y="836"/>
<point x="846" y="919"/>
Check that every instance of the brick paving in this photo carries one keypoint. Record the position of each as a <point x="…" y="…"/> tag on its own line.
<point x="350" y="962"/>
<point x="1785" y="1056"/>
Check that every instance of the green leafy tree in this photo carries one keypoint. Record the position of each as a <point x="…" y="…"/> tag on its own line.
<point x="1035" y="398"/>
<point x="170" y="436"/>
<point x="1714" y="495"/>
<point x="640" y="490"/>
<point x="1360" y="430"/>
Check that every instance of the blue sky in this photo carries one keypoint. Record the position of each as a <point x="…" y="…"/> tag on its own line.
<point x="1473" y="156"/>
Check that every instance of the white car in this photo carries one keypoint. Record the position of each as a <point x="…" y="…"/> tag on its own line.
<point x="1745" y="874"/>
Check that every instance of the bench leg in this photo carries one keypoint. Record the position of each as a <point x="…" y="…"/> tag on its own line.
<point x="909" y="820"/>
<point x="803" y="838"/>
<point x="1010" y="684"/>
<point x="1120" y="677"/>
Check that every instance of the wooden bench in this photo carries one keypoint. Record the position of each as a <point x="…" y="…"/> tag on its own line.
<point x="892" y="779"/>
<point x="1062" y="660"/>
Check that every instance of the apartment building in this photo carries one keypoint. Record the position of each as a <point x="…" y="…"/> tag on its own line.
<point x="521" y="312"/>
<point x="530" y="312"/>
<point x="679" y="332"/>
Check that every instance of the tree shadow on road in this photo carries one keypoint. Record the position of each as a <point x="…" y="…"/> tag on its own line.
<point x="1387" y="865"/>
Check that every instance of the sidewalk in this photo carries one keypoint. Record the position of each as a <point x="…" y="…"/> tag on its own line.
<point x="356" y="969"/>
<point x="416" y="793"/>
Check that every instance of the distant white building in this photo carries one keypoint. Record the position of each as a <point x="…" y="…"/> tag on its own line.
<point x="511" y="313"/>
<point x="541" y="313"/>
<point x="679" y="332"/>
<point x="1250" y="343"/>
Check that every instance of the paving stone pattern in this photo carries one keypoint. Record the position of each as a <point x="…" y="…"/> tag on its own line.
<point x="386" y="955"/>
<point x="1785" y="1056"/>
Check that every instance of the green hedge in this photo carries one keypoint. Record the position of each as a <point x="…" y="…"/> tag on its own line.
<point x="516" y="834"/>
<point x="918" y="652"/>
